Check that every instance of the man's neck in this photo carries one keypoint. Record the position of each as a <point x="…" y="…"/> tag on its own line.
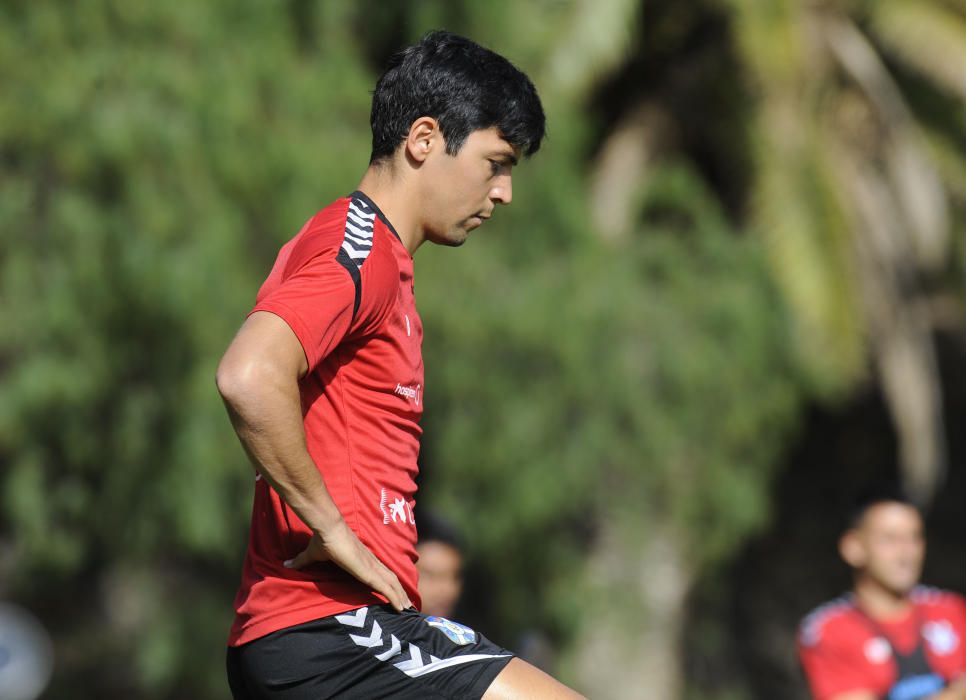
<point x="879" y="602"/>
<point x="395" y="198"/>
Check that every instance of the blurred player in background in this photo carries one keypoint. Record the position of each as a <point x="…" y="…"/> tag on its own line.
<point x="889" y="638"/>
<point x="441" y="562"/>
<point x="440" y="565"/>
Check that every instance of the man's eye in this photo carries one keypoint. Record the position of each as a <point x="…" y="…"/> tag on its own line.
<point x="495" y="166"/>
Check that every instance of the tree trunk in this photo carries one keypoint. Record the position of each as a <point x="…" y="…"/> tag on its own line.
<point x="629" y="646"/>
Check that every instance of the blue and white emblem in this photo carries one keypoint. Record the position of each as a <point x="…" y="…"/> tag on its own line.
<point x="941" y="636"/>
<point x="458" y="634"/>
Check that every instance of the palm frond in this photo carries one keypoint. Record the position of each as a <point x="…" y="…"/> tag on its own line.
<point x="914" y="181"/>
<point x="809" y="246"/>
<point x="773" y="37"/>
<point x="897" y="323"/>
<point x="950" y="162"/>
<point x="593" y="42"/>
<point x="926" y="36"/>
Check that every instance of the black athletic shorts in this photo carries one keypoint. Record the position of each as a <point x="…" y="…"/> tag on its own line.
<point x="368" y="653"/>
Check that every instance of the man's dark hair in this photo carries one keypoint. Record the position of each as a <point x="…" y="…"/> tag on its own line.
<point x="431" y="527"/>
<point x="463" y="86"/>
<point x="874" y="497"/>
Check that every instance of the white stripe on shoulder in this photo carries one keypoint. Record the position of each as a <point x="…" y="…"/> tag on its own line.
<point x="360" y="209"/>
<point x="360" y="233"/>
<point x="357" y="234"/>
<point x="812" y="624"/>
<point x="359" y="220"/>
<point x="359" y="241"/>
<point x="928" y="595"/>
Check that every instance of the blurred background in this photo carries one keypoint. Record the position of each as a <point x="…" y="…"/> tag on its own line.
<point x="728" y="297"/>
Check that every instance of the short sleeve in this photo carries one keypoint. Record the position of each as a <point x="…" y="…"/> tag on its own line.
<point x="317" y="303"/>
<point x="958" y="614"/>
<point x="833" y="664"/>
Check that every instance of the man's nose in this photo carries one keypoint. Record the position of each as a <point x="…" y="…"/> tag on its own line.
<point x="502" y="190"/>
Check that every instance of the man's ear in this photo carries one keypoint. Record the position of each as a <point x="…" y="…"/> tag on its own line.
<point x="852" y="550"/>
<point x="424" y="134"/>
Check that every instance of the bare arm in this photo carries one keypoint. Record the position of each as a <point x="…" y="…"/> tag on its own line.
<point x="258" y="381"/>
<point x="956" y="691"/>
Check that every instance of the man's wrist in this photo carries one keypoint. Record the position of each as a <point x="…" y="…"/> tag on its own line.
<point x="328" y="524"/>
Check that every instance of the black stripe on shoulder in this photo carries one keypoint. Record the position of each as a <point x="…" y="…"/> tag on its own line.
<point x="367" y="204"/>
<point x="353" y="270"/>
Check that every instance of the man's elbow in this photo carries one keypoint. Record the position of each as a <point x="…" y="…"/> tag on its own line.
<point x="237" y="379"/>
<point x="226" y="380"/>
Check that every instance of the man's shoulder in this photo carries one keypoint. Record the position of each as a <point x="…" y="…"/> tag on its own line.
<point x="362" y="240"/>
<point x="938" y="599"/>
<point x="323" y="233"/>
<point x="347" y="231"/>
<point x="831" y="618"/>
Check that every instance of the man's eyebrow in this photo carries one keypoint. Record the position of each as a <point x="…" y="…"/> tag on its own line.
<point x="510" y="157"/>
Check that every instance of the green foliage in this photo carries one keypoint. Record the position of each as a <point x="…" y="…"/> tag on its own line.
<point x="644" y="384"/>
<point x="153" y="158"/>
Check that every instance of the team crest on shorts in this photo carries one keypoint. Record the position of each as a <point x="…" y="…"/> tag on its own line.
<point x="458" y="634"/>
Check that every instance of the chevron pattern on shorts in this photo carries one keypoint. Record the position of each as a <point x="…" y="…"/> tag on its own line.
<point x="365" y="631"/>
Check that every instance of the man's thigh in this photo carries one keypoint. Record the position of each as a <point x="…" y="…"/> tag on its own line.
<point x="521" y="681"/>
<point x="370" y="653"/>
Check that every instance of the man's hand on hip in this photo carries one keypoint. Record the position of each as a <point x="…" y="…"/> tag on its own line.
<point x="258" y="380"/>
<point x="342" y="547"/>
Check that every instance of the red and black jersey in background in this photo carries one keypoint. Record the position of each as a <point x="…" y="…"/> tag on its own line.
<point x="911" y="657"/>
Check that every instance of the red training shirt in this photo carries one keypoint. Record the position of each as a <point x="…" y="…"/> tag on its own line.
<point x="344" y="285"/>
<point x="841" y="650"/>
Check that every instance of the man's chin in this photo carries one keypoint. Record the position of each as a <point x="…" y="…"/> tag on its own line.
<point x="901" y="588"/>
<point x="452" y="240"/>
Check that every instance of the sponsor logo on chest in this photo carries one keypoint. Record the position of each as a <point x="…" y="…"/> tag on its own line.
<point x="413" y="393"/>
<point x="395" y="509"/>
<point x="877" y="650"/>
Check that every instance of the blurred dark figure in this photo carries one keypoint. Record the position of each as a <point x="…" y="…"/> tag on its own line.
<point x="440" y="565"/>
<point x="890" y="637"/>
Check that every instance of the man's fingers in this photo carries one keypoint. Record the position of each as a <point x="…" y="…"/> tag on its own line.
<point x="297" y="562"/>
<point x="397" y="599"/>
<point x="312" y="554"/>
<point x="393" y="591"/>
<point x="349" y="553"/>
<point x="382" y="580"/>
<point x="401" y="601"/>
<point x="304" y="558"/>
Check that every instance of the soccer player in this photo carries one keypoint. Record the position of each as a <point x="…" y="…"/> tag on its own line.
<point x="889" y="638"/>
<point x="324" y="387"/>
